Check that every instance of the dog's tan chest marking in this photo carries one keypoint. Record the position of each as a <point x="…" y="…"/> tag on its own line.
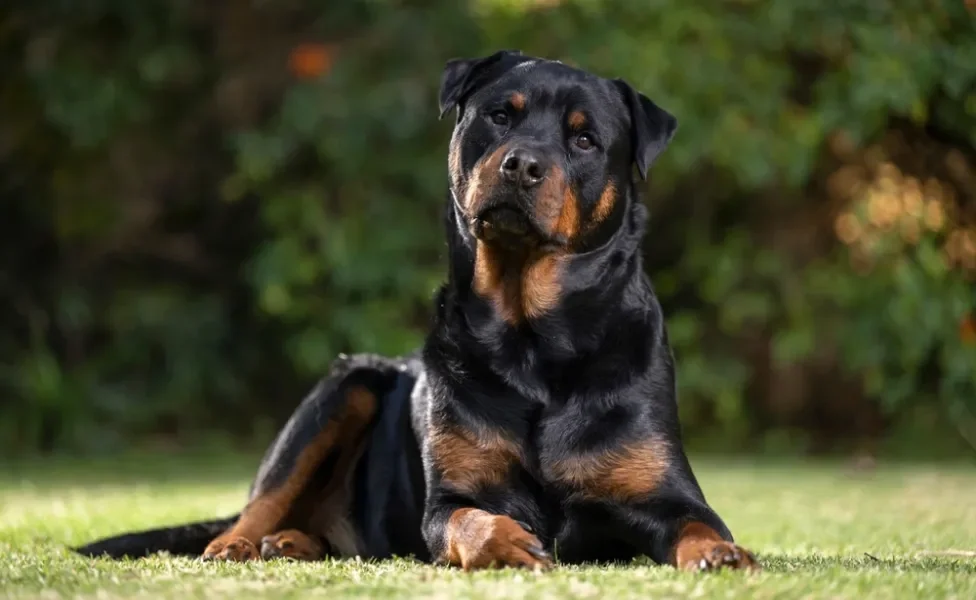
<point x="517" y="291"/>
<point x="470" y="461"/>
<point x="626" y="473"/>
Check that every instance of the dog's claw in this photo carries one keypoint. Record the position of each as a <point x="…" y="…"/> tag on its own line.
<point x="537" y="552"/>
<point x="524" y="525"/>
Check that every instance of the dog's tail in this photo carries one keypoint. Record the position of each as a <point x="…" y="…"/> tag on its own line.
<point x="190" y="539"/>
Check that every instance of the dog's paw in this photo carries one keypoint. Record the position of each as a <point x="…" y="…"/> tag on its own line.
<point x="231" y="549"/>
<point x="480" y="540"/>
<point x="291" y="544"/>
<point x="714" y="555"/>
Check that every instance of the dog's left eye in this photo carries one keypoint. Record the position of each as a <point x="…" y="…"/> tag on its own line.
<point x="499" y="117"/>
<point x="584" y="141"/>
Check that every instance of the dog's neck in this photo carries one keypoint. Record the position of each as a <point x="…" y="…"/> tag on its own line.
<point x="574" y="310"/>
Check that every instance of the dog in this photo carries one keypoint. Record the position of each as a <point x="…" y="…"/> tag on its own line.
<point x="539" y="422"/>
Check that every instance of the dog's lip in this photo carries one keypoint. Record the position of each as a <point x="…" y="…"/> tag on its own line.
<point x="505" y="219"/>
<point x="500" y="207"/>
<point x="511" y="221"/>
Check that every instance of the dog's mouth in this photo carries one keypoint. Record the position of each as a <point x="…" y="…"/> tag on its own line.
<point x="504" y="220"/>
<point x="506" y="225"/>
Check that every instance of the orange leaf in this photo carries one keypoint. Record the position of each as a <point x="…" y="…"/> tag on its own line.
<point x="311" y="60"/>
<point x="967" y="330"/>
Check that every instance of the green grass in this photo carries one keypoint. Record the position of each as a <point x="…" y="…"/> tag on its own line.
<point x="820" y="530"/>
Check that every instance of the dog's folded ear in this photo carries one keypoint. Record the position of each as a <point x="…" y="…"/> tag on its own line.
<point x="652" y="127"/>
<point x="462" y="76"/>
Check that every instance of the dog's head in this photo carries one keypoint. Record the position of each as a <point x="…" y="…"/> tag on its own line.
<point x="543" y="153"/>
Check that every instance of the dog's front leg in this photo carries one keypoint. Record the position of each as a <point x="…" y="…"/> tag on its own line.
<point x="681" y="531"/>
<point x="651" y="501"/>
<point x="469" y="487"/>
<point x="472" y="538"/>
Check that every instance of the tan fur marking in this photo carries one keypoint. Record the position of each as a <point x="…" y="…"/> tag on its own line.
<point x="489" y="283"/>
<point x="691" y="538"/>
<point x="625" y="474"/>
<point x="472" y="192"/>
<point x="484" y="175"/>
<point x="605" y="205"/>
<point x="541" y="286"/>
<point x="454" y="165"/>
<point x="568" y="224"/>
<point x="292" y="544"/>
<point x="528" y="288"/>
<point x="527" y="285"/>
<point x="231" y="549"/>
<point x="557" y="205"/>
<point x="475" y="539"/>
<point x="701" y="548"/>
<point x="577" y="120"/>
<point x="264" y="514"/>
<point x="331" y="516"/>
<point x="549" y="198"/>
<point x="470" y="462"/>
<point x="517" y="101"/>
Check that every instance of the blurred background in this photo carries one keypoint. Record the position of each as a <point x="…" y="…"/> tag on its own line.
<point x="201" y="203"/>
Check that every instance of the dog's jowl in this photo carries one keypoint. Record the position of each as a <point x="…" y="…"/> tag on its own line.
<point x="540" y="414"/>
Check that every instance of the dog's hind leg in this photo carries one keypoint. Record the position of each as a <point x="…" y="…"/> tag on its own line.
<point x="303" y="482"/>
<point x="293" y="544"/>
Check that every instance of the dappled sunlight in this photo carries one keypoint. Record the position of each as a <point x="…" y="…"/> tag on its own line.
<point x="888" y="212"/>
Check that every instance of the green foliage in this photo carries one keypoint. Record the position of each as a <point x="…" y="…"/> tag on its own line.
<point x="203" y="205"/>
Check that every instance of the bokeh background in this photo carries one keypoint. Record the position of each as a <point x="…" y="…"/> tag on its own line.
<point x="201" y="203"/>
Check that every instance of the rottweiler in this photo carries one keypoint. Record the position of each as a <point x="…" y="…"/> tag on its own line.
<point x="539" y="421"/>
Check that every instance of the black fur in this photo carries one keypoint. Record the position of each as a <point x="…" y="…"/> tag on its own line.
<point x="182" y="540"/>
<point x="592" y="373"/>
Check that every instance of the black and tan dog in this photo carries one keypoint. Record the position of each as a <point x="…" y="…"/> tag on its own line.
<point x="540" y="420"/>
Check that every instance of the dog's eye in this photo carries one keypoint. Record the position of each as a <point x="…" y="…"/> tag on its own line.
<point x="584" y="141"/>
<point x="499" y="117"/>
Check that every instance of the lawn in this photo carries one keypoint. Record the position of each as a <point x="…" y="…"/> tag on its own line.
<point x="820" y="529"/>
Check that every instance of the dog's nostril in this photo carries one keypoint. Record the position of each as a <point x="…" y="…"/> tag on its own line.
<point x="511" y="163"/>
<point x="533" y="170"/>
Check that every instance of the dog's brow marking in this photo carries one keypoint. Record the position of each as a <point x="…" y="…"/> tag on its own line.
<point x="518" y="101"/>
<point x="577" y="120"/>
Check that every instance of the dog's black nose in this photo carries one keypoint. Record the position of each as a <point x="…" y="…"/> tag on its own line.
<point x="524" y="167"/>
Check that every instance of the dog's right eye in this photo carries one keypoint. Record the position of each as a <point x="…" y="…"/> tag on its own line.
<point x="499" y="117"/>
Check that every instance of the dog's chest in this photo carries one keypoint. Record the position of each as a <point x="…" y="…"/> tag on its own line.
<point x="571" y="444"/>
